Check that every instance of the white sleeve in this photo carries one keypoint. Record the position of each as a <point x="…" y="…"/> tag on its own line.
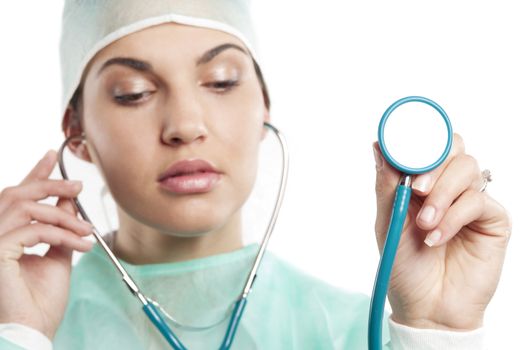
<point x="25" y="337"/>
<point x="409" y="338"/>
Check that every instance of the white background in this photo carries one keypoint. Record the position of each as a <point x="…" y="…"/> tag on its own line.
<point x="332" y="68"/>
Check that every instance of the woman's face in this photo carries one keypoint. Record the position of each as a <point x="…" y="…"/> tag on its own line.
<point x="174" y="93"/>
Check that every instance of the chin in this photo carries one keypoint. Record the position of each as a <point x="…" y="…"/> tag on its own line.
<point x="190" y="219"/>
<point x="189" y="215"/>
<point x="189" y="228"/>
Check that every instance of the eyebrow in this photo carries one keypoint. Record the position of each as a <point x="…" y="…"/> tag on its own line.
<point x="210" y="54"/>
<point x="144" y="66"/>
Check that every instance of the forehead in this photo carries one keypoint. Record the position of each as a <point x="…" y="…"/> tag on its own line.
<point x="169" y="40"/>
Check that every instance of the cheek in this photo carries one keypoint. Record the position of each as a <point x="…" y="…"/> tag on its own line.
<point x="124" y="159"/>
<point x="242" y="134"/>
<point x="240" y="117"/>
<point x="126" y="170"/>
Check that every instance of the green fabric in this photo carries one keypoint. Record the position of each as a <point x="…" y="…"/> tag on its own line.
<point x="7" y="345"/>
<point x="287" y="309"/>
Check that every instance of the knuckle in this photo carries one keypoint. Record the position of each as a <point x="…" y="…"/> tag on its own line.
<point x="470" y="193"/>
<point x="7" y="194"/>
<point x="384" y="189"/>
<point x="24" y="206"/>
<point x="476" y="197"/>
<point x="48" y="186"/>
<point x="63" y="219"/>
<point x="439" y="198"/>
<point x="450" y="223"/>
<point x="509" y="220"/>
<point x="5" y="257"/>
<point x="509" y="226"/>
<point x="502" y="216"/>
<point x="23" y="209"/>
<point x="505" y="214"/>
<point x="42" y="230"/>
<point x="52" y="187"/>
<point x="483" y="199"/>
<point x="469" y="160"/>
<point x="472" y="164"/>
<point x="37" y="227"/>
<point x="449" y="226"/>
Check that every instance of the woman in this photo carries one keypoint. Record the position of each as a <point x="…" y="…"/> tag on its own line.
<point x="171" y="88"/>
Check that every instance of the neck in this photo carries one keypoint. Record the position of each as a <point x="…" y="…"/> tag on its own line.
<point x="137" y="243"/>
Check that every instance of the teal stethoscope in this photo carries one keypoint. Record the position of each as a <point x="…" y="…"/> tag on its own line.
<point x="400" y="205"/>
<point x="401" y="202"/>
<point x="149" y="306"/>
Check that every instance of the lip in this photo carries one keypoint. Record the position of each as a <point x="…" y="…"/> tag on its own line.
<point x="188" y="166"/>
<point x="190" y="176"/>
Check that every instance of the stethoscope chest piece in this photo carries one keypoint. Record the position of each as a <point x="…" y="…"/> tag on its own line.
<point x="415" y="137"/>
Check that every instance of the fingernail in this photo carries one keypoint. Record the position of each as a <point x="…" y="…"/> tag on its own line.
<point x="378" y="159"/>
<point x="433" y="238"/>
<point x="422" y="183"/>
<point x="427" y="214"/>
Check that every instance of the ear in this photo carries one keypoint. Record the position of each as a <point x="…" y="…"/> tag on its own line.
<point x="266" y="118"/>
<point x="72" y="126"/>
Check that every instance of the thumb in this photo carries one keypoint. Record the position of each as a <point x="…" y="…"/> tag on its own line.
<point x="387" y="179"/>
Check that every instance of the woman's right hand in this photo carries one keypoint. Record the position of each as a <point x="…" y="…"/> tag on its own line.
<point x="34" y="289"/>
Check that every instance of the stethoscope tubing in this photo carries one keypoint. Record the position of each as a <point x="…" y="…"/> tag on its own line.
<point x="383" y="275"/>
<point x="148" y="307"/>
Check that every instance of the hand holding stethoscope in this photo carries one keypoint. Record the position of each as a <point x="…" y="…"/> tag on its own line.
<point x="34" y="289"/>
<point x="448" y="285"/>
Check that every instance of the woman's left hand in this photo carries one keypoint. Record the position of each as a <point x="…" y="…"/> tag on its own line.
<point x="449" y="284"/>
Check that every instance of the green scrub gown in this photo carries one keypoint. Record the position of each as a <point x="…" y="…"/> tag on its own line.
<point x="287" y="309"/>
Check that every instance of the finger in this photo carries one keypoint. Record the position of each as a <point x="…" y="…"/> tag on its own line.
<point x="67" y="206"/>
<point x="25" y="212"/>
<point x="476" y="210"/>
<point x="38" y="190"/>
<point x="12" y="243"/>
<point x="461" y="174"/>
<point x="43" y="168"/>
<point x="61" y="252"/>
<point x="422" y="184"/>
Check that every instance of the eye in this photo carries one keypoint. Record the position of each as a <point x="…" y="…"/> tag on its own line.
<point x="134" y="98"/>
<point x="222" y="85"/>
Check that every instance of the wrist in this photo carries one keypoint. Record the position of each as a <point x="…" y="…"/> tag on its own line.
<point x="25" y="337"/>
<point x="29" y="324"/>
<point x="404" y="337"/>
<point x="455" y="325"/>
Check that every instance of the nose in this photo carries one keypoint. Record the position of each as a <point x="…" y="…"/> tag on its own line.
<point x="184" y="121"/>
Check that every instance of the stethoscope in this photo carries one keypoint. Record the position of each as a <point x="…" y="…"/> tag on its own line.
<point x="150" y="306"/>
<point x="398" y="215"/>
<point x="402" y="199"/>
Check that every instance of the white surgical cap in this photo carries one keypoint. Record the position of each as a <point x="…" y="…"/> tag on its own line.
<point x="90" y="25"/>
